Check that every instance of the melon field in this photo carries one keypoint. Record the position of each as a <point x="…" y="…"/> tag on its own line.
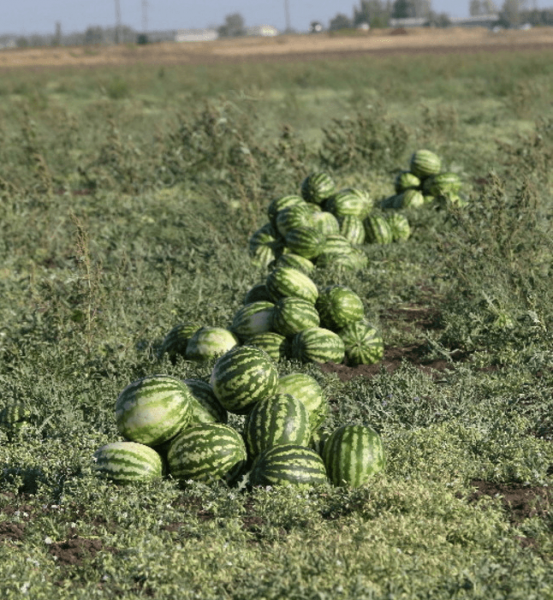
<point x="128" y="196"/>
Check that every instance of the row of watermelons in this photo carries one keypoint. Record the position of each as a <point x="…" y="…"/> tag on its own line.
<point x="180" y="427"/>
<point x="424" y="184"/>
<point x="288" y="317"/>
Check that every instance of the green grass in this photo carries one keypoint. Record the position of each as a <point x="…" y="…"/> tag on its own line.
<point x="126" y="201"/>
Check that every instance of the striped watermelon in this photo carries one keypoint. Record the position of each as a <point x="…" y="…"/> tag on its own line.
<point x="338" y="306"/>
<point x="318" y="345"/>
<point x="352" y="454"/>
<point x="318" y="439"/>
<point x="409" y="199"/>
<point x="352" y="261"/>
<point x="281" y="203"/>
<point x="242" y="377"/>
<point x="352" y="229"/>
<point x="337" y="244"/>
<point x="305" y="241"/>
<point x="326" y="223"/>
<point x="425" y="163"/>
<point x="128" y="462"/>
<point x="306" y="388"/>
<point x="264" y="246"/>
<point x="153" y="409"/>
<point x="263" y="257"/>
<point x="293" y="217"/>
<point x="257" y="293"/>
<point x="288" y="464"/>
<point x="406" y="181"/>
<point x="292" y="315"/>
<point x="349" y="202"/>
<point x="252" y="319"/>
<point x="316" y="187"/>
<point x="204" y="406"/>
<point x="280" y="419"/>
<point x="284" y="282"/>
<point x="294" y="261"/>
<point x="209" y="342"/>
<point x="274" y="344"/>
<point x="15" y="419"/>
<point x="377" y="230"/>
<point x="400" y="227"/>
<point x="363" y="343"/>
<point x="206" y="451"/>
<point x="176" y="340"/>
<point x="444" y="184"/>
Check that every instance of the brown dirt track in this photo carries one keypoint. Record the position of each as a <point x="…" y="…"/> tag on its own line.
<point x="284" y="48"/>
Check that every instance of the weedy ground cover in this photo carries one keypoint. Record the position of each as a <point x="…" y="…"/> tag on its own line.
<point x="126" y="201"/>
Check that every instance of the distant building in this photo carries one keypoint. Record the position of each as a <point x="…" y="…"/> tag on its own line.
<point x="315" y="27"/>
<point x="410" y="22"/>
<point x="488" y="21"/>
<point x="262" y="30"/>
<point x="196" y="35"/>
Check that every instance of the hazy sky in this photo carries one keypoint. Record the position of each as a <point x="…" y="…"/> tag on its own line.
<point x="39" y="16"/>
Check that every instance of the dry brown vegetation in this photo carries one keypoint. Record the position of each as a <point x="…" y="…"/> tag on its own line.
<point x="292" y="47"/>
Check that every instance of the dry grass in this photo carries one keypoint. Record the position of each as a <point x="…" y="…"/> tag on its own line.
<point x="280" y="48"/>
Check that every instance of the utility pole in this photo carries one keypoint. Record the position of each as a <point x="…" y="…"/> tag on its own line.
<point x="287" y="15"/>
<point x="117" y="21"/>
<point x="144" y="16"/>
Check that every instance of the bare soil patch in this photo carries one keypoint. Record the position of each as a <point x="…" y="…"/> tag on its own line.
<point x="75" y="550"/>
<point x="521" y="502"/>
<point x="283" y="48"/>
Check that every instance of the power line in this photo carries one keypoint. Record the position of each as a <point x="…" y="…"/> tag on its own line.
<point x="117" y="21"/>
<point x="287" y="15"/>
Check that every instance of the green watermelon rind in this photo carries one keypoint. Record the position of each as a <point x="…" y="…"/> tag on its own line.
<point x="128" y="462"/>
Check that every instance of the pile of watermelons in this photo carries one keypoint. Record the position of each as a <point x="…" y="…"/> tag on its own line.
<point x="425" y="184"/>
<point x="180" y="427"/>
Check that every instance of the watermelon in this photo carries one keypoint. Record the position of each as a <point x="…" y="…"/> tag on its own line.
<point x="263" y="257"/>
<point x="425" y="163"/>
<point x="399" y="226"/>
<point x="318" y="439"/>
<point x="352" y="229"/>
<point x="14" y="419"/>
<point x="281" y="203"/>
<point x="444" y="184"/>
<point x="318" y="345"/>
<point x="349" y="202"/>
<point x="338" y="306"/>
<point x="306" y="388"/>
<point x="377" y="230"/>
<point x="206" y="451"/>
<point x="288" y="464"/>
<point x="305" y="241"/>
<point x="242" y="377"/>
<point x="326" y="223"/>
<point x="209" y="342"/>
<point x="153" y="409"/>
<point x="284" y="282"/>
<point x="409" y="199"/>
<point x="176" y="340"/>
<point x="352" y="454"/>
<point x="257" y="293"/>
<point x="292" y="315"/>
<point x="280" y="419"/>
<point x="337" y="244"/>
<point x="316" y="187"/>
<point x="204" y="406"/>
<point x="293" y="217"/>
<point x="252" y="319"/>
<point x="295" y="261"/>
<point x="264" y="236"/>
<point x="128" y="462"/>
<point x="274" y="344"/>
<point x="352" y="261"/>
<point x="406" y="181"/>
<point x="362" y="342"/>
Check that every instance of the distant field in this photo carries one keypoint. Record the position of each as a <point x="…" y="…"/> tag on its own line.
<point x="297" y="47"/>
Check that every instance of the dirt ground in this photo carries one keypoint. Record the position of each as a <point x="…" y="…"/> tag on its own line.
<point x="285" y="47"/>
